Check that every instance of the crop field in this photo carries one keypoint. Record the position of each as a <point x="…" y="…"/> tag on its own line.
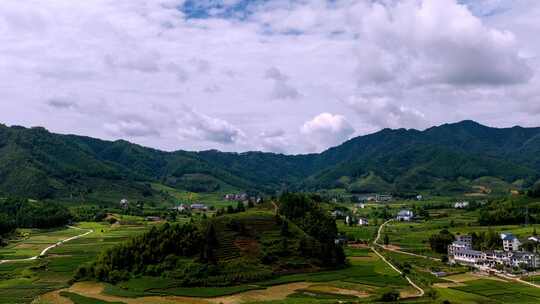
<point x="210" y="199"/>
<point x="32" y="241"/>
<point x="21" y="282"/>
<point x="366" y="277"/>
<point x="501" y="292"/>
<point x="413" y="236"/>
<point x="364" y="233"/>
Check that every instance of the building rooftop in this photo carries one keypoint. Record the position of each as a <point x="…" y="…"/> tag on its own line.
<point x="507" y="237"/>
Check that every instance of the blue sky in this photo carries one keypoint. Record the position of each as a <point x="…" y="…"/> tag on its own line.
<point x="273" y="75"/>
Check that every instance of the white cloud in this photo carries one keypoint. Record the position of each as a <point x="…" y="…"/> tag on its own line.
<point x="379" y="113"/>
<point x="129" y="69"/>
<point x="194" y="125"/>
<point x="131" y="127"/>
<point x="326" y="130"/>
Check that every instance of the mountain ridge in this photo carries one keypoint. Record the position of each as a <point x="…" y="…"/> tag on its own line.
<point x="42" y="164"/>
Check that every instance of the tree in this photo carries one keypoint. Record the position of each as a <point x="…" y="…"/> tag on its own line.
<point x="285" y="228"/>
<point x="390" y="296"/>
<point x="240" y="207"/>
<point x="439" y="242"/>
<point x="386" y="239"/>
<point x="210" y="245"/>
<point x="230" y="209"/>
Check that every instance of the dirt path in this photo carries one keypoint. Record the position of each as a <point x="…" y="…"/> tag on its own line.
<point x="420" y="290"/>
<point x="44" y="251"/>
<point x="517" y="280"/>
<point x="376" y="242"/>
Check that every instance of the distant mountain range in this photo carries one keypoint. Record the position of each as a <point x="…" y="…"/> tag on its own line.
<point x="450" y="158"/>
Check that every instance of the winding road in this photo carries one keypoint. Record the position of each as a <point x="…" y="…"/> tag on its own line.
<point x="44" y="251"/>
<point x="421" y="292"/>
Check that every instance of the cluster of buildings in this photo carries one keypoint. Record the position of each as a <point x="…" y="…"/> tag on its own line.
<point x="125" y="204"/>
<point x="461" y="205"/>
<point x="405" y="215"/>
<point x="242" y="197"/>
<point x="197" y="207"/>
<point x="378" y="198"/>
<point x="461" y="252"/>
<point x="353" y="220"/>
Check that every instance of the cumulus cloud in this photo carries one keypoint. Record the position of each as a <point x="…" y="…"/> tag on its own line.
<point x="131" y="127"/>
<point x="198" y="126"/>
<point x="135" y="66"/>
<point x="379" y="112"/>
<point x="441" y="42"/>
<point x="326" y="130"/>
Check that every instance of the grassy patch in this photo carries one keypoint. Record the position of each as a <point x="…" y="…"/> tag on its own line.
<point x="78" y="299"/>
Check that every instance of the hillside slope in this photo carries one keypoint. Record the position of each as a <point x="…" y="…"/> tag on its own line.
<point x="40" y="164"/>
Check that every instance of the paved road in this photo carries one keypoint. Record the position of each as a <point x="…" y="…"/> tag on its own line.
<point x="44" y="251"/>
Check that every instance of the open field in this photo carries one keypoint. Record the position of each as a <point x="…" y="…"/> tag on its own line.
<point x="32" y="241"/>
<point x="21" y="282"/>
<point x="214" y="199"/>
<point x="364" y="279"/>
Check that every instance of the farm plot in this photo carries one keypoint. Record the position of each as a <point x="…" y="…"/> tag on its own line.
<point x="33" y="241"/>
<point x="22" y="282"/>
<point x="501" y="292"/>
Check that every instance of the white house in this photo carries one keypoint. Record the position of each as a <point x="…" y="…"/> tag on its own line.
<point x="383" y="198"/>
<point x="461" y="205"/>
<point x="510" y="242"/>
<point x="181" y="208"/>
<point x="363" y="221"/>
<point x="419" y="197"/>
<point x="124" y="203"/>
<point x="405" y="215"/>
<point x="198" y="207"/>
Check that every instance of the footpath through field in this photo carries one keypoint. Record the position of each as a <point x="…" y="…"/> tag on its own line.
<point x="420" y="290"/>
<point x="397" y="250"/>
<point x="44" y="251"/>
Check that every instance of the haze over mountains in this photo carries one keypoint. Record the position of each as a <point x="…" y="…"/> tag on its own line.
<point x="451" y="157"/>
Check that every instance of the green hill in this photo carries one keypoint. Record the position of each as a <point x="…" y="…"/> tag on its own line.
<point x="40" y="164"/>
<point x="230" y="249"/>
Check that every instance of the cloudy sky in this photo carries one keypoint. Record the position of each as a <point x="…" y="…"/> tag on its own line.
<point x="288" y="76"/>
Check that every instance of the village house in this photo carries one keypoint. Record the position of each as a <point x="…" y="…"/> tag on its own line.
<point x="510" y="242"/>
<point x="461" y="205"/>
<point x="181" y="208"/>
<point x="362" y="221"/>
<point x="152" y="218"/>
<point x="351" y="220"/>
<point x="124" y="203"/>
<point x="405" y="215"/>
<point x="338" y="214"/>
<point x="198" y="207"/>
<point x="383" y="198"/>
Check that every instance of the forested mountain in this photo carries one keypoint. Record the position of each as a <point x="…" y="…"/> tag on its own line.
<point x="451" y="157"/>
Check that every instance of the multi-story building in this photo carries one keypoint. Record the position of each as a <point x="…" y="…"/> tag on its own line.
<point x="510" y="242"/>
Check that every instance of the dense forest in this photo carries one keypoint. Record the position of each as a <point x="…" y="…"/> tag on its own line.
<point x="23" y="213"/>
<point x="449" y="158"/>
<point x="240" y="247"/>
